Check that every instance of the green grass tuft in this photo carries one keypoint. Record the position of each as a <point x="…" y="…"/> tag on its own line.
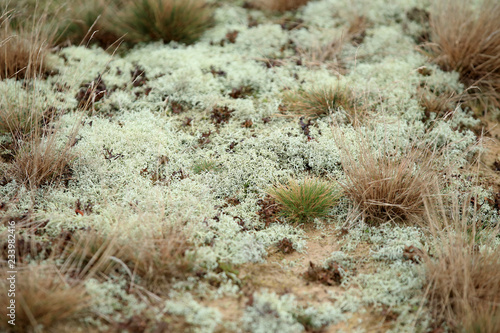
<point x="166" y="20"/>
<point x="305" y="201"/>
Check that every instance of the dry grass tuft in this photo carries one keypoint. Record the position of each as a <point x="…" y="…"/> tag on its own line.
<point x="160" y="256"/>
<point x="316" y="102"/>
<point x="90" y="22"/>
<point x="50" y="281"/>
<point x="329" y="54"/>
<point x="439" y="104"/>
<point x="305" y="201"/>
<point x="157" y="254"/>
<point x="167" y="20"/>
<point x="463" y="275"/>
<point x="468" y="42"/>
<point x="323" y="55"/>
<point x="44" y="296"/>
<point x="19" y="115"/>
<point x="41" y="160"/>
<point x="279" y="5"/>
<point x="357" y="29"/>
<point x="386" y="184"/>
<point x="41" y="153"/>
<point x="88" y="253"/>
<point x="22" y="52"/>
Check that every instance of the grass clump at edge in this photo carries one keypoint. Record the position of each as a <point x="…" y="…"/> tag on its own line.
<point x="279" y="5"/>
<point x="90" y="22"/>
<point x="167" y="20"/>
<point x="384" y="184"/>
<point x="45" y="297"/>
<point x="21" y="115"/>
<point x="468" y="42"/>
<point x="23" y="51"/>
<point x="42" y="160"/>
<point x="305" y="201"/>
<point x="320" y="101"/>
<point x="163" y="256"/>
<point x="463" y="272"/>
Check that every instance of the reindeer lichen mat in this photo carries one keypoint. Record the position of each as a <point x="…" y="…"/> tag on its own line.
<point x="261" y="166"/>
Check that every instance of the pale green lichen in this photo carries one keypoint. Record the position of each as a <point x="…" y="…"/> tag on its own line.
<point x="272" y="313"/>
<point x="205" y="319"/>
<point x="112" y="302"/>
<point x="121" y="147"/>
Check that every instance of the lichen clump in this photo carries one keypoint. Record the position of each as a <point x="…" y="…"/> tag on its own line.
<point x="232" y="168"/>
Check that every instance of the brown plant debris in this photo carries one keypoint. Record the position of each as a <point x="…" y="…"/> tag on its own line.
<point x="285" y="246"/>
<point x="110" y="155"/>
<point x="305" y="128"/>
<point x="205" y="138"/>
<point x="241" y="92"/>
<point x="83" y="209"/>
<point x="232" y="201"/>
<point x="413" y="254"/>
<point x="291" y="24"/>
<point x="138" y="77"/>
<point x="388" y="314"/>
<point x="221" y="114"/>
<point x="91" y="92"/>
<point x="329" y="276"/>
<point x="217" y="72"/>
<point x="270" y="62"/>
<point x="269" y="210"/>
<point x="176" y="107"/>
<point x="231" y="36"/>
<point x="277" y="5"/>
<point x="357" y="29"/>
<point x="247" y="123"/>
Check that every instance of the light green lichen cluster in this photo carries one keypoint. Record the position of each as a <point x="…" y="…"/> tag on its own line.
<point x="204" y="319"/>
<point x="111" y="301"/>
<point x="272" y="313"/>
<point x="120" y="147"/>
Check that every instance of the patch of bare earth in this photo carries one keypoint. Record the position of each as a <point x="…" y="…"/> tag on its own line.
<point x="490" y="160"/>
<point x="284" y="273"/>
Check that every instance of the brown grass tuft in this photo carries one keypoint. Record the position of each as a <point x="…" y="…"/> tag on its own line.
<point x="22" y="52"/>
<point x="357" y="29"/>
<point x="88" y="253"/>
<point x="316" y="102"/>
<point x="20" y="114"/>
<point x="463" y="275"/>
<point x="329" y="54"/>
<point x="41" y="160"/>
<point x="90" y="22"/>
<point x="50" y="281"/>
<point x="279" y="5"/>
<point x="323" y="55"/>
<point x="440" y="104"/>
<point x="157" y="253"/>
<point x="385" y="184"/>
<point x="160" y="257"/>
<point x="44" y="296"/>
<point x="41" y="153"/>
<point x="468" y="42"/>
